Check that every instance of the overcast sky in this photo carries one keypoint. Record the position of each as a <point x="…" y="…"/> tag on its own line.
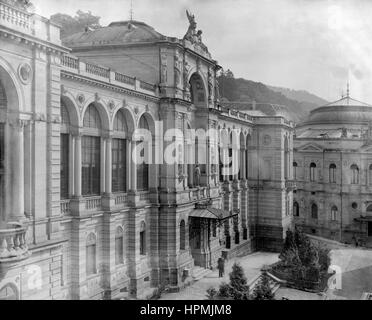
<point x="300" y="44"/>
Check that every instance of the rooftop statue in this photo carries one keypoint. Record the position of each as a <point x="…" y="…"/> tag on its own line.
<point x="193" y="35"/>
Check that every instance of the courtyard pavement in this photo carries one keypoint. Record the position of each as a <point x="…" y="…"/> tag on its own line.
<point x="251" y="264"/>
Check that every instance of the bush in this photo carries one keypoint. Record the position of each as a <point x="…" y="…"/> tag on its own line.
<point x="237" y="289"/>
<point x="263" y="290"/>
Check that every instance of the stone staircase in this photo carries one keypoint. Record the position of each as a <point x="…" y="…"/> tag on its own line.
<point x="275" y="282"/>
<point x="199" y="273"/>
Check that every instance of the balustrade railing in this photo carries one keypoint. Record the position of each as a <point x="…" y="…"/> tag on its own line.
<point x="120" y="199"/>
<point x="97" y="70"/>
<point x="124" y="79"/>
<point x="70" y="62"/>
<point x="65" y="207"/>
<point x="13" y="244"/>
<point x="13" y="17"/>
<point x="93" y="203"/>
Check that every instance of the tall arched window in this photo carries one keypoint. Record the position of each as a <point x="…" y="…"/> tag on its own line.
<point x="91" y="152"/>
<point x="119" y="246"/>
<point x="119" y="153"/>
<point x="64" y="152"/>
<point x="332" y="173"/>
<point x="295" y="170"/>
<point x="231" y="176"/>
<point x="314" y="211"/>
<point x="143" y="168"/>
<point x="334" y="213"/>
<point x="312" y="171"/>
<point x="286" y="158"/>
<point x="296" y="209"/>
<point x="370" y="175"/>
<point x="182" y="235"/>
<point x="354" y="174"/>
<point x="248" y="158"/>
<point x="91" y="251"/>
<point x="143" y="238"/>
<point x="241" y="157"/>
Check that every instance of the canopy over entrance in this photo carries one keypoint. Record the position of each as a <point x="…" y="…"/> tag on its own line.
<point x="212" y="213"/>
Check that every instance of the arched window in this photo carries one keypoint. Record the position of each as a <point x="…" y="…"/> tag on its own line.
<point x="354" y="174"/>
<point x="182" y="235"/>
<point x="312" y="171"/>
<point x="286" y="158"/>
<point x="92" y="118"/>
<point x="143" y="238"/>
<point x="91" y="258"/>
<point x="334" y="213"/>
<point x="143" y="168"/>
<point x="231" y="176"/>
<point x="314" y="211"/>
<point x="64" y="152"/>
<point x="241" y="167"/>
<point x="119" y="246"/>
<point x="332" y="173"/>
<point x="295" y="170"/>
<point x="370" y="174"/>
<point x="91" y="152"/>
<point x="248" y="158"/>
<point x="296" y="209"/>
<point x="119" y="154"/>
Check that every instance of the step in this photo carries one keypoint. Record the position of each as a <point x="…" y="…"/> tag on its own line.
<point x="199" y="273"/>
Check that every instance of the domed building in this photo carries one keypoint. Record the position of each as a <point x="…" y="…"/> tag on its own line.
<point x="333" y="171"/>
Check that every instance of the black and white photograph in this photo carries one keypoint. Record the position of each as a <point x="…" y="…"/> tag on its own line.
<point x="204" y="151"/>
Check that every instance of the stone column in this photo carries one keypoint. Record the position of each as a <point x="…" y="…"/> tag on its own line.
<point x="103" y="166"/>
<point x="16" y="148"/>
<point x="71" y="187"/>
<point x="133" y="165"/>
<point x="28" y="168"/>
<point x="77" y="166"/>
<point x="108" y="174"/>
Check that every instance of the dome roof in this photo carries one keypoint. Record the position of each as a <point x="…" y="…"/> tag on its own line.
<point x="343" y="111"/>
<point x="116" y="33"/>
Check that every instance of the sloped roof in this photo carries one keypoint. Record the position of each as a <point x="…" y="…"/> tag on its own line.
<point x="116" y="33"/>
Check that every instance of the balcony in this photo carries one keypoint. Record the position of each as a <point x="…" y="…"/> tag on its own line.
<point x="13" y="246"/>
<point x="290" y="185"/>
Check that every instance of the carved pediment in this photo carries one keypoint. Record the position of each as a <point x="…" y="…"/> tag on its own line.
<point x="310" y="147"/>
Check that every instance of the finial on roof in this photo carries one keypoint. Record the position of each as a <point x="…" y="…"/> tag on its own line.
<point x="348" y="89"/>
<point x="131" y="10"/>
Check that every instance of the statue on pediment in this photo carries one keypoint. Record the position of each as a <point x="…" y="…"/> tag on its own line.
<point x="191" y="31"/>
<point x="21" y="4"/>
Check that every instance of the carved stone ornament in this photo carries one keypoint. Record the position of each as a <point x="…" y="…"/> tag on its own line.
<point x="80" y="98"/>
<point x="25" y="73"/>
<point x="267" y="140"/>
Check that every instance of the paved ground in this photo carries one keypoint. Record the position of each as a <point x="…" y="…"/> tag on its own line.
<point x="355" y="266"/>
<point x="251" y="264"/>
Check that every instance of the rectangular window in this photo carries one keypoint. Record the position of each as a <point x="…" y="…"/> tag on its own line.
<point x="64" y="166"/>
<point x="119" y="259"/>
<point x="91" y="259"/>
<point x="91" y="165"/>
<point x="142" y="243"/>
<point x="119" y="165"/>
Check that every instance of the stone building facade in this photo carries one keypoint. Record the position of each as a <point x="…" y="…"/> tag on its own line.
<point x="80" y="219"/>
<point x="333" y="172"/>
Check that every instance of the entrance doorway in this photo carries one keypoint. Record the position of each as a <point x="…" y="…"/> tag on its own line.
<point x="369" y="232"/>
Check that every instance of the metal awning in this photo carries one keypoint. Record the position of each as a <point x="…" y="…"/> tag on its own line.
<point x="212" y="213"/>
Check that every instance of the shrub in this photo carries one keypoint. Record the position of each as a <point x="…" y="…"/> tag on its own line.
<point x="263" y="290"/>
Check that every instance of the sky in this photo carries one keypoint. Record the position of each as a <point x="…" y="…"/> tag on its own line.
<point x="313" y="45"/>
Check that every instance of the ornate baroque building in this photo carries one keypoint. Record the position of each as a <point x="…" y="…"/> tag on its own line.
<point x="333" y="172"/>
<point x="79" y="218"/>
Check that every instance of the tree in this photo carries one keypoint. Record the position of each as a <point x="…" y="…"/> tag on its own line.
<point x="71" y="25"/>
<point x="263" y="290"/>
<point x="236" y="289"/>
